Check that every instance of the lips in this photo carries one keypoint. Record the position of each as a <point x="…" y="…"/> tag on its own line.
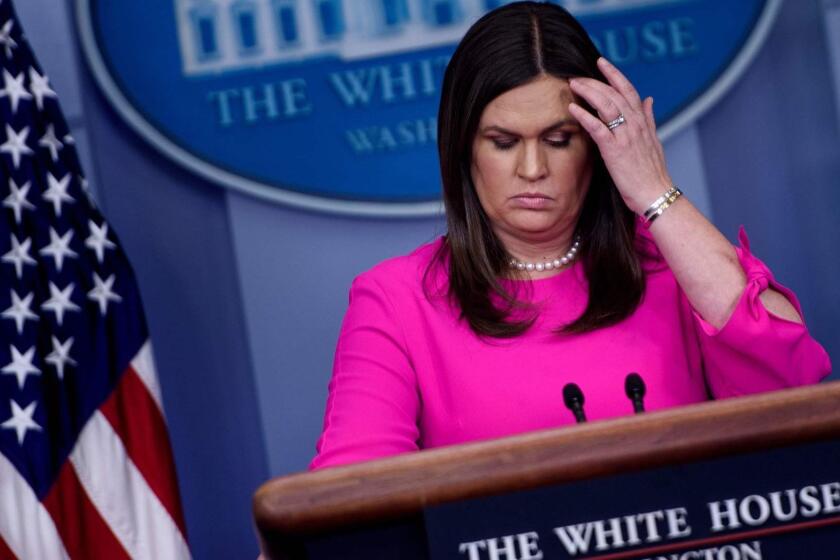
<point x="532" y="195"/>
<point x="532" y="200"/>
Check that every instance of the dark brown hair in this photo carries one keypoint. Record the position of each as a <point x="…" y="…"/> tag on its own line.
<point x="505" y="49"/>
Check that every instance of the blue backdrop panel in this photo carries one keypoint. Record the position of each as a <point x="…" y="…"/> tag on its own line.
<point x="772" y="160"/>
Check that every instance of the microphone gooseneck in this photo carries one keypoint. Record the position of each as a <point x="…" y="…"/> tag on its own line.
<point x="573" y="399"/>
<point x="634" y="387"/>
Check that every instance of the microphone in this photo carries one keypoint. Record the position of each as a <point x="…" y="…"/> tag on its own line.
<point x="634" y="387"/>
<point x="573" y="398"/>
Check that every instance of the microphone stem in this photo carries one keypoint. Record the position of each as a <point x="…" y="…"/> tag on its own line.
<point x="638" y="406"/>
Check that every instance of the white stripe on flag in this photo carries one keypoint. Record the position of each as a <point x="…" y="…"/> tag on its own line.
<point x="122" y="496"/>
<point x="144" y="364"/>
<point x="25" y="525"/>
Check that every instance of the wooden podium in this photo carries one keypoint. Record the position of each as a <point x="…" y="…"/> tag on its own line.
<point x="378" y="509"/>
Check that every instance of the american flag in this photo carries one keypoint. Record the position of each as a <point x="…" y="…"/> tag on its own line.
<point x="85" y="465"/>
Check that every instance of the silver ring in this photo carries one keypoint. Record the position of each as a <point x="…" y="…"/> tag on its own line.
<point x="613" y="124"/>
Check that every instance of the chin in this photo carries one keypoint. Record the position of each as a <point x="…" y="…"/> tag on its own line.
<point x="535" y="227"/>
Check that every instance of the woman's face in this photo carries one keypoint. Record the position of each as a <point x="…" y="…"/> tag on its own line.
<point x="532" y="163"/>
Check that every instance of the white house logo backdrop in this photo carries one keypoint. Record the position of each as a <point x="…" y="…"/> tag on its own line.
<point x="331" y="104"/>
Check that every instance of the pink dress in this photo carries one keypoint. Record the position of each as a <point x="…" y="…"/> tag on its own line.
<point x="408" y="374"/>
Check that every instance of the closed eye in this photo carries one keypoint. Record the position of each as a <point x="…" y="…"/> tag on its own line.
<point x="553" y="141"/>
<point x="558" y="141"/>
<point x="504" y="144"/>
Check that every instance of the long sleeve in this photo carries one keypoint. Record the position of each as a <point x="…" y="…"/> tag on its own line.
<point x="757" y="351"/>
<point x="373" y="403"/>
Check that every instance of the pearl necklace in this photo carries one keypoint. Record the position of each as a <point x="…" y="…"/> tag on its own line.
<point x="548" y="265"/>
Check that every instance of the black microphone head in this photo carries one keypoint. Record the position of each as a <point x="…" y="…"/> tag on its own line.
<point x="572" y="395"/>
<point x="634" y="386"/>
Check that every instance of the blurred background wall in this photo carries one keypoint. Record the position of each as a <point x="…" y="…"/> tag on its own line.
<point x="244" y="297"/>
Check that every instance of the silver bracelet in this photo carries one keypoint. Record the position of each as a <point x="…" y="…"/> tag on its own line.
<point x="661" y="204"/>
<point x="657" y="203"/>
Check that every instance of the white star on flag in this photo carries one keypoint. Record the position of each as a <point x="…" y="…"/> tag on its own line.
<point x="19" y="255"/>
<point x="6" y="38"/>
<point x="60" y="356"/>
<point x="57" y="192"/>
<point x="98" y="240"/>
<point x="40" y="86"/>
<point x="102" y="292"/>
<point x="14" y="89"/>
<point x="59" y="248"/>
<point x="20" y="311"/>
<point x="51" y="142"/>
<point x="59" y="301"/>
<point x="15" y="144"/>
<point x="21" y="420"/>
<point x="21" y="365"/>
<point x="17" y="199"/>
<point x="85" y="184"/>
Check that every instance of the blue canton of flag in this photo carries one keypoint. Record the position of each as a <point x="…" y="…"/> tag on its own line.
<point x="85" y="465"/>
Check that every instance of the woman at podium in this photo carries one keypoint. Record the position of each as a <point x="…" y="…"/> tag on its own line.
<point x="570" y="257"/>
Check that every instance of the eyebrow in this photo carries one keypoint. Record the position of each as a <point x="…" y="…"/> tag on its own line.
<point x="559" y="124"/>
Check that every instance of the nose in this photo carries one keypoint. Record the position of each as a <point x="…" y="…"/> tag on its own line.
<point x="532" y="163"/>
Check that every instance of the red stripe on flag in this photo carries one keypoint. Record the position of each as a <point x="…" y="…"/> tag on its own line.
<point x="137" y="420"/>
<point x="5" y="551"/>
<point x="82" y="529"/>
